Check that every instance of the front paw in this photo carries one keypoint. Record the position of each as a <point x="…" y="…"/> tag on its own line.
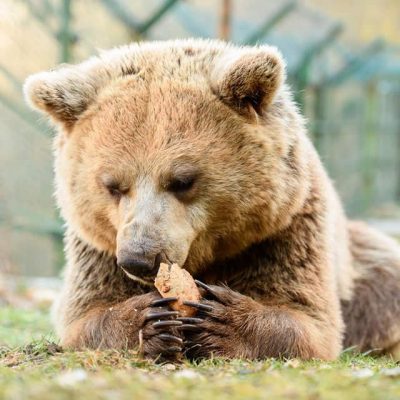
<point x="218" y="328"/>
<point x="159" y="338"/>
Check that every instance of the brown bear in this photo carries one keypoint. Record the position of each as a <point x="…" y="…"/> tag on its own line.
<point x="194" y="152"/>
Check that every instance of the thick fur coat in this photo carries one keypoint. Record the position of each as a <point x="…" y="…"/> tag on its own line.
<point x="194" y="152"/>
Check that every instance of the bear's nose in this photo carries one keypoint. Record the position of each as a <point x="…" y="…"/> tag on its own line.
<point x="139" y="264"/>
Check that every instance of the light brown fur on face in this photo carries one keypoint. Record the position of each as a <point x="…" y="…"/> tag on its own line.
<point x="193" y="152"/>
<point x="154" y="138"/>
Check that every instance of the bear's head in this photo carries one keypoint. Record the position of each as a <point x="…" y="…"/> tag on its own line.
<point x="184" y="151"/>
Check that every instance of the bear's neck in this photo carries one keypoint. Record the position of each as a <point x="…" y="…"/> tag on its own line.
<point x="297" y="246"/>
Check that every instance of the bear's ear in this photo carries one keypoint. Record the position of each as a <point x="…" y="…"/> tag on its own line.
<point x="248" y="79"/>
<point x="65" y="93"/>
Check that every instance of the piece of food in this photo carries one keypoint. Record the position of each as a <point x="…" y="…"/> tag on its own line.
<point x="173" y="281"/>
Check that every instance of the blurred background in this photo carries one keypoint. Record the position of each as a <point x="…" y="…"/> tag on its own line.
<point x="343" y="61"/>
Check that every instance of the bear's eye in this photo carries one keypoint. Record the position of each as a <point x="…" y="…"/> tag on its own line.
<point x="181" y="185"/>
<point x="114" y="189"/>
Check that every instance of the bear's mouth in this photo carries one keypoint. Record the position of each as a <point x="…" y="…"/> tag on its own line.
<point x="143" y="280"/>
<point x="147" y="278"/>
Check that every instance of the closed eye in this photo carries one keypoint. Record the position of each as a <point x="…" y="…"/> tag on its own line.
<point x="113" y="187"/>
<point x="181" y="185"/>
<point x="114" y="191"/>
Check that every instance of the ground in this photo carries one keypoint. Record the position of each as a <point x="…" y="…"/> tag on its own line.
<point x="33" y="366"/>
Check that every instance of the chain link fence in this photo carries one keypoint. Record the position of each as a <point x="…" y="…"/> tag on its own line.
<point x="350" y="96"/>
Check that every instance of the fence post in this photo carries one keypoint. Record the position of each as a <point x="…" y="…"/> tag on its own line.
<point x="355" y="63"/>
<point x="369" y="146"/>
<point x="225" y="20"/>
<point x="157" y="15"/>
<point x="270" y="22"/>
<point x="318" y="128"/>
<point x="303" y="70"/>
<point x="65" y="37"/>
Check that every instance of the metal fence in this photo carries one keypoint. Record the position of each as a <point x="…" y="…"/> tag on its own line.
<point x="351" y="98"/>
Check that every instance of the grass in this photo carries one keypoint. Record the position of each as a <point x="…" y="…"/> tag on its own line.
<point x="33" y="366"/>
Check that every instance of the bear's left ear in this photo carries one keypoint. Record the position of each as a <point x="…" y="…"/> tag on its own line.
<point x="249" y="78"/>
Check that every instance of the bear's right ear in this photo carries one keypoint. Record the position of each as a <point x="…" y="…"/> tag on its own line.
<point x="248" y="79"/>
<point x="65" y="93"/>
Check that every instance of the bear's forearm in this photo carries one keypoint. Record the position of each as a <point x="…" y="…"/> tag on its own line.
<point x="234" y="325"/>
<point x="113" y="326"/>
<point x="288" y="333"/>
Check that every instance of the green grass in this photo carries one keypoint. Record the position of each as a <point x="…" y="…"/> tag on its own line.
<point x="32" y="366"/>
<point x="19" y="327"/>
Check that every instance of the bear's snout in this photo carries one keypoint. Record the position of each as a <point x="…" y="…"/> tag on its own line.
<point x="139" y="263"/>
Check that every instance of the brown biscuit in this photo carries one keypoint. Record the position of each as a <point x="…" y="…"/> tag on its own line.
<point x="173" y="281"/>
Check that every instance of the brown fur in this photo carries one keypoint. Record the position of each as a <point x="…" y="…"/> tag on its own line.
<point x="370" y="326"/>
<point x="261" y="223"/>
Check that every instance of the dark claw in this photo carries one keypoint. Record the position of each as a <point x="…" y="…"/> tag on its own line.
<point x="205" y="287"/>
<point x="163" y="302"/>
<point x="190" y="320"/>
<point x="173" y="349"/>
<point x="163" y="324"/>
<point x="172" y="338"/>
<point x="159" y="315"/>
<point x="199" y="306"/>
<point x="191" y="346"/>
<point x="194" y="345"/>
<point x="189" y="327"/>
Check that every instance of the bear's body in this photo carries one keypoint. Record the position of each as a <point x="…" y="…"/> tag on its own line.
<point x="193" y="152"/>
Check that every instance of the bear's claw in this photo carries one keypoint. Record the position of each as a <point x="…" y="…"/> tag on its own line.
<point x="172" y="349"/>
<point x="163" y="302"/>
<point x="187" y="320"/>
<point x="190" y="324"/>
<point x="189" y="327"/>
<point x="204" y="286"/>
<point x="199" y="306"/>
<point x="162" y="314"/>
<point x="171" y="338"/>
<point x="161" y="340"/>
<point x="190" y="345"/>
<point x="164" y="324"/>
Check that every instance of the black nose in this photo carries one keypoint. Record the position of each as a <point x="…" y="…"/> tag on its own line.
<point x="138" y="264"/>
